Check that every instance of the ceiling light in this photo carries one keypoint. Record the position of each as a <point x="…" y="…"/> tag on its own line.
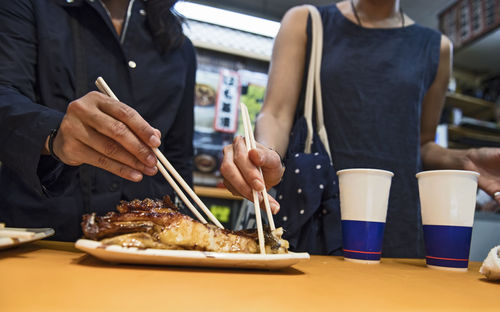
<point x="227" y="18"/>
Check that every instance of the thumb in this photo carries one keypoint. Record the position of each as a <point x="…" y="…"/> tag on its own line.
<point x="270" y="163"/>
<point x="267" y="159"/>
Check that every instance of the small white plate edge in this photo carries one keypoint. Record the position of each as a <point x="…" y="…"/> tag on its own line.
<point x="6" y="242"/>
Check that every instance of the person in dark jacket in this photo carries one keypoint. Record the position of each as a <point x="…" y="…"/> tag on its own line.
<point x="68" y="149"/>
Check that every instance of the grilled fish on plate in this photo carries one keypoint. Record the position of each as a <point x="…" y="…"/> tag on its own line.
<point x="159" y="224"/>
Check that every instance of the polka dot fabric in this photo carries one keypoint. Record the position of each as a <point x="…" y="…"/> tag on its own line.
<point x="308" y="195"/>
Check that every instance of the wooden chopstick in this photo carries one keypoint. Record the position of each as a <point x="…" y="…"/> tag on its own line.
<point x="179" y="192"/>
<point x="186" y="187"/>
<point x="256" y="204"/>
<point x="162" y="160"/>
<point x="246" y="120"/>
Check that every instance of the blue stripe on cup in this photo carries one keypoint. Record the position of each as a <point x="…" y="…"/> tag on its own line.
<point x="447" y="246"/>
<point x="362" y="239"/>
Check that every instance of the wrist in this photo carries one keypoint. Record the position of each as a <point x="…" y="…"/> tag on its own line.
<point x="45" y="147"/>
<point x="50" y="143"/>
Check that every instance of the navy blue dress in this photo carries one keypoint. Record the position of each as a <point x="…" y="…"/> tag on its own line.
<point x="374" y="81"/>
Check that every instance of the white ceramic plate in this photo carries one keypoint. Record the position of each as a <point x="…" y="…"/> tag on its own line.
<point x="118" y="254"/>
<point x="7" y="242"/>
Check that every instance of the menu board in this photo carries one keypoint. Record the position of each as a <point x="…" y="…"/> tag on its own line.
<point x="220" y="86"/>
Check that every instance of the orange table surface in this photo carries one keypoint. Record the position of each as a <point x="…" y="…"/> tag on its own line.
<point x="53" y="276"/>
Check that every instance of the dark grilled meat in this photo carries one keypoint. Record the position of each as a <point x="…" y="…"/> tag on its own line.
<point x="159" y="224"/>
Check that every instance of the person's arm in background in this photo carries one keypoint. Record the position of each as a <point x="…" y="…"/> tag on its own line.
<point x="177" y="145"/>
<point x="274" y="122"/>
<point x="486" y="161"/>
<point x="95" y="129"/>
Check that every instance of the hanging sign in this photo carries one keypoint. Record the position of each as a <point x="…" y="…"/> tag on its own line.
<point x="228" y="97"/>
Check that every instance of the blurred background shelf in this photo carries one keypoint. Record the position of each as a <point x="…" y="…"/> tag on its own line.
<point x="466" y="137"/>
<point x="471" y="106"/>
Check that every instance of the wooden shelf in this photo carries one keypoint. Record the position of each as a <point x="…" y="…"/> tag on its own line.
<point x="471" y="106"/>
<point x="215" y="192"/>
<point x="471" y="138"/>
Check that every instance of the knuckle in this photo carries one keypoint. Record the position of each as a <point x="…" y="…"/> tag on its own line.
<point x="102" y="162"/>
<point x="123" y="171"/>
<point x="139" y="165"/>
<point x="147" y="129"/>
<point x="75" y="106"/>
<point x="144" y="151"/>
<point x="111" y="148"/>
<point x="239" y="154"/>
<point x="126" y="112"/>
<point x="227" y="149"/>
<point x="119" y="129"/>
<point x="254" y="175"/>
<point x="104" y="99"/>
<point x="64" y="127"/>
<point x="95" y="94"/>
<point x="225" y="168"/>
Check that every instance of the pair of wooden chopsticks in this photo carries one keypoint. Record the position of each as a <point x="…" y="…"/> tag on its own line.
<point x="162" y="160"/>
<point x="250" y="143"/>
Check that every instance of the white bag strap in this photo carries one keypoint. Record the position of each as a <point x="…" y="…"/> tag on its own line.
<point x="313" y="84"/>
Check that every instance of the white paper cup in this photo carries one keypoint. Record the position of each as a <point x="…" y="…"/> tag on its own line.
<point x="448" y="201"/>
<point x="364" y="195"/>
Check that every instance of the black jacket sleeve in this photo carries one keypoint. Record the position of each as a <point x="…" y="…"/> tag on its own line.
<point x="24" y="124"/>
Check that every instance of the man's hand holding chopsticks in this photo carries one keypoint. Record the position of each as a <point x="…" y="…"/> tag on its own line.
<point x="108" y="134"/>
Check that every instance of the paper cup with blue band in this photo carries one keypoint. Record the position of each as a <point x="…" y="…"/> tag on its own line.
<point x="364" y="195"/>
<point x="448" y="202"/>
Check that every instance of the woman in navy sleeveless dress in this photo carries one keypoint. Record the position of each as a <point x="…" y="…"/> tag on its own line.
<point x="384" y="79"/>
<point x="374" y="81"/>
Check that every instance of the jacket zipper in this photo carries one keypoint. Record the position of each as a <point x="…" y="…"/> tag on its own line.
<point x="127" y="18"/>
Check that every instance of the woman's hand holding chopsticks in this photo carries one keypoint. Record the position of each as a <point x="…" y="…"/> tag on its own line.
<point x="103" y="132"/>
<point x="241" y="173"/>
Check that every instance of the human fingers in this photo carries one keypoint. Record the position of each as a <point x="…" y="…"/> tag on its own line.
<point x="110" y="148"/>
<point x="248" y="170"/>
<point x="496" y="196"/>
<point x="66" y="145"/>
<point x="231" y="188"/>
<point x="233" y="178"/>
<point x="130" y="117"/>
<point x="99" y="160"/>
<point x="75" y="153"/>
<point x="87" y="111"/>
<point x="491" y="187"/>
<point x="270" y="163"/>
<point x="273" y="204"/>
